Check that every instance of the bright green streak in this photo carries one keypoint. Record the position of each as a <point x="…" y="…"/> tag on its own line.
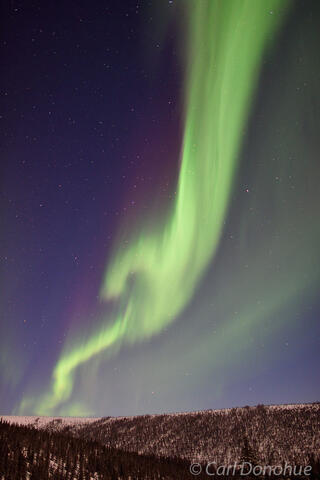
<point x="156" y="275"/>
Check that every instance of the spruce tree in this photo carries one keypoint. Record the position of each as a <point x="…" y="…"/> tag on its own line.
<point x="248" y="454"/>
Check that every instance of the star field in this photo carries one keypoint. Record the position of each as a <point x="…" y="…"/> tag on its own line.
<point x="92" y="118"/>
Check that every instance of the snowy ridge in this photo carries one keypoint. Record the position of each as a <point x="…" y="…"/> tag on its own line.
<point x="274" y="433"/>
<point x="44" y="422"/>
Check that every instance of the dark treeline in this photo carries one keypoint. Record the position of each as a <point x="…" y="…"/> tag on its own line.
<point x="29" y="453"/>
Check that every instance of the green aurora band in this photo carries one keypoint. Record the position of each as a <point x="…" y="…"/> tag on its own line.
<point x="154" y="277"/>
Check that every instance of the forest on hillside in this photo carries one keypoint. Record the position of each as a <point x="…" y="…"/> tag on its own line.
<point x="275" y="434"/>
<point x="27" y="453"/>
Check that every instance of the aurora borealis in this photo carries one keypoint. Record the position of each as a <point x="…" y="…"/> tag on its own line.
<point x="214" y="289"/>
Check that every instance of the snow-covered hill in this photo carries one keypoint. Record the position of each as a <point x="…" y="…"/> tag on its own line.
<point x="48" y="422"/>
<point x="274" y="433"/>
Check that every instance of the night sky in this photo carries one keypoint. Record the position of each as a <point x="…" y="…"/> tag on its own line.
<point x="117" y="298"/>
